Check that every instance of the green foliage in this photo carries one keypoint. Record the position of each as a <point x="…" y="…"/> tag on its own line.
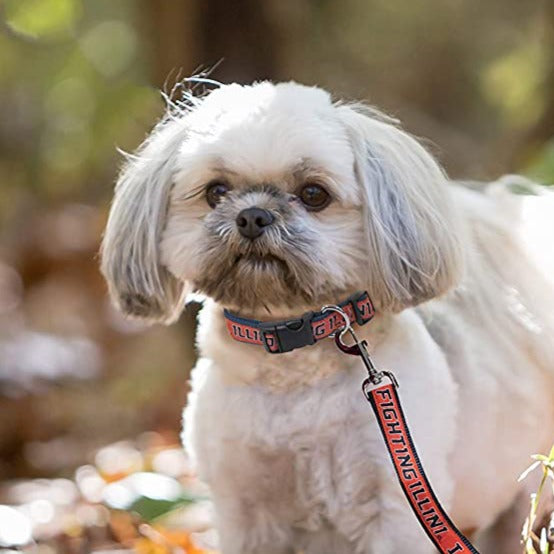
<point x="541" y="167"/>
<point x="42" y="18"/>
<point x="512" y="82"/>
<point x="73" y="87"/>
<point x="150" y="509"/>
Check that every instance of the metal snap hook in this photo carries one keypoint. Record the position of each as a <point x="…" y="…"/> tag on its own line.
<point x="359" y="348"/>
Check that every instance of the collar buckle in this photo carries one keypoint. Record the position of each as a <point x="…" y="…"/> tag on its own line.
<point x="284" y="336"/>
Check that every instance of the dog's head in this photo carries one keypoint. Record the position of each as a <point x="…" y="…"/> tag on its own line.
<point x="272" y="195"/>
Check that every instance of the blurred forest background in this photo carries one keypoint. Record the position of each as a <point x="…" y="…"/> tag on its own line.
<point x="81" y="78"/>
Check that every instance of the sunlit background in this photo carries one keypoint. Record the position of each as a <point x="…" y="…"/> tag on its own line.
<point x="87" y="398"/>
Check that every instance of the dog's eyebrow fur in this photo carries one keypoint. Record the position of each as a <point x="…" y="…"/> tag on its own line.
<point x="218" y="166"/>
<point x="308" y="168"/>
<point x="305" y="165"/>
<point x="305" y="169"/>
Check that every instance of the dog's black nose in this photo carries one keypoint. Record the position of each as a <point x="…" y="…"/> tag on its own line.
<point x="251" y="222"/>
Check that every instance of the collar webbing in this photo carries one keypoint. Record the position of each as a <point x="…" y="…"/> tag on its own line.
<point x="286" y="335"/>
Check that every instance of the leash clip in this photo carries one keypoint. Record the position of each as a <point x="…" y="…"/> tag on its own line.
<point x="359" y="348"/>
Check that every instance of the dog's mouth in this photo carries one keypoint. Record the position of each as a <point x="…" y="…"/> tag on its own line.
<point x="258" y="274"/>
<point x="260" y="261"/>
<point x="248" y="280"/>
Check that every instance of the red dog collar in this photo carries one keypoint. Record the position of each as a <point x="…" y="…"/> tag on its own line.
<point x="286" y="335"/>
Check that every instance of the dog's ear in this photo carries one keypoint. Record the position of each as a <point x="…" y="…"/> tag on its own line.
<point x="130" y="253"/>
<point x="414" y="238"/>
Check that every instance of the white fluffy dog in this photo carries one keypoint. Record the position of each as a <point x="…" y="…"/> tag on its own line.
<point x="459" y="276"/>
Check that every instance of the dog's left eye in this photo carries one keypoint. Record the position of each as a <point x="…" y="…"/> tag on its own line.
<point x="314" y="197"/>
<point x="215" y="192"/>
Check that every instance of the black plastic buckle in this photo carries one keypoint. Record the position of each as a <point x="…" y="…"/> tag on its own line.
<point x="290" y="334"/>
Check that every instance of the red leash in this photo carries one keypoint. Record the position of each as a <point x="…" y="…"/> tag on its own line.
<point x="432" y="517"/>
<point x="385" y="402"/>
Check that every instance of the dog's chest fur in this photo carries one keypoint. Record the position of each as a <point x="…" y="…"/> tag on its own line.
<point x="300" y="458"/>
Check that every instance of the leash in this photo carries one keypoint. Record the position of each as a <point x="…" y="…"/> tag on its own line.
<point x="386" y="405"/>
<point x="335" y="321"/>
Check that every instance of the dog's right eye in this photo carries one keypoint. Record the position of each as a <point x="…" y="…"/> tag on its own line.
<point x="215" y="191"/>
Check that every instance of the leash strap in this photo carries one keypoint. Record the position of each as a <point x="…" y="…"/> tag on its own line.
<point x="385" y="402"/>
<point x="439" y="528"/>
<point x="286" y="335"/>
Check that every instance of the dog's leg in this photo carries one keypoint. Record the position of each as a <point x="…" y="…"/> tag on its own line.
<point x="234" y="540"/>
<point x="245" y="528"/>
<point x="387" y="525"/>
<point x="394" y="532"/>
<point x="324" y="541"/>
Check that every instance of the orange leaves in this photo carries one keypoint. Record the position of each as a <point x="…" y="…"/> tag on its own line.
<point x="144" y="538"/>
<point x="157" y="540"/>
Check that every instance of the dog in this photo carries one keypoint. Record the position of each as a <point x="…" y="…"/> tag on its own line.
<point x="272" y="200"/>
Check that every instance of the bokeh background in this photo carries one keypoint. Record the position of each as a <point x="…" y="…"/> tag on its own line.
<point x="81" y="78"/>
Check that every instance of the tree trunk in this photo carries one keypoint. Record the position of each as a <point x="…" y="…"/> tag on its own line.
<point x="188" y="35"/>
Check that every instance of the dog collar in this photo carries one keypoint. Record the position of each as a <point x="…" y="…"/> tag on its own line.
<point x="288" y="334"/>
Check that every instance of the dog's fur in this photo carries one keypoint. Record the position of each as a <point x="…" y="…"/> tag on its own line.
<point x="458" y="274"/>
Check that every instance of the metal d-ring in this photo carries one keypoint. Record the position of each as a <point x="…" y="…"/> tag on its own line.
<point x="343" y="314"/>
